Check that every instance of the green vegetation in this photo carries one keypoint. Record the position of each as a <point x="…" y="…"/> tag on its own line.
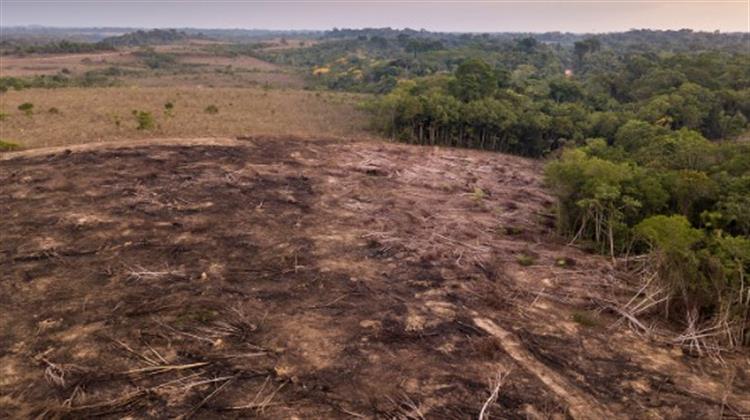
<point x="8" y="146"/>
<point x="526" y="260"/>
<point x="676" y="196"/>
<point x="212" y="109"/>
<point x="169" y="109"/>
<point x="156" y="60"/>
<point x="27" y="108"/>
<point x="585" y="318"/>
<point x="92" y="78"/>
<point x="60" y="47"/>
<point x="151" y="37"/>
<point x="531" y="111"/>
<point x="478" y="194"/>
<point x="144" y="119"/>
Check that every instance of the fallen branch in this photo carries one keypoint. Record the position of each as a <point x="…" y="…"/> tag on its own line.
<point x="495" y="392"/>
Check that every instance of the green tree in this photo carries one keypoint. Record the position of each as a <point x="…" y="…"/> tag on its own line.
<point x="475" y="79"/>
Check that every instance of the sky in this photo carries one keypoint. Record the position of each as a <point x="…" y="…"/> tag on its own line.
<point x="436" y="15"/>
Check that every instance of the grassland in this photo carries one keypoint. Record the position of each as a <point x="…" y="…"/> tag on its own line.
<point x="252" y="97"/>
<point x="102" y="114"/>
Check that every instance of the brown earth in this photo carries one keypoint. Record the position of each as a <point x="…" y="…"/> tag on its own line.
<point x="285" y="278"/>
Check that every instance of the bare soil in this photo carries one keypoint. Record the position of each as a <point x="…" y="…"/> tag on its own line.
<point x="287" y="277"/>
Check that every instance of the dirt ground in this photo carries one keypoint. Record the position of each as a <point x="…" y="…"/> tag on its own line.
<point x="299" y="278"/>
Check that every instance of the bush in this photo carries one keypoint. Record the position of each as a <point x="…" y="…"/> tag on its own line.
<point x="704" y="275"/>
<point x="212" y="109"/>
<point x="585" y="318"/>
<point x="7" y="146"/>
<point x="53" y="110"/>
<point x="156" y="60"/>
<point x="27" y="108"/>
<point x="168" y="108"/>
<point x="526" y="260"/>
<point x="145" y="120"/>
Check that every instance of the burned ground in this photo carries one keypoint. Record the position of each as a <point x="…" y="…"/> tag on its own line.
<point x="318" y="279"/>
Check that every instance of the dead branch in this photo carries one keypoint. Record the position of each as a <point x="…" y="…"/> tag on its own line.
<point x="495" y="386"/>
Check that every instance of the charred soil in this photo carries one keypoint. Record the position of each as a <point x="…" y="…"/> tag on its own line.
<point x="320" y="279"/>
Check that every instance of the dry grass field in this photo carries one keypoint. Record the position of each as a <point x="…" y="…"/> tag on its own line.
<point x="193" y="66"/>
<point x="104" y="114"/>
<point x="33" y="65"/>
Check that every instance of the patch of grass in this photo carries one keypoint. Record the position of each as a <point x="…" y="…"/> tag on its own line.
<point x="585" y="318"/>
<point x="7" y="146"/>
<point x="212" y="109"/>
<point x="565" y="262"/>
<point x="3" y="116"/>
<point x="53" y="110"/>
<point x="202" y="316"/>
<point x="169" y="108"/>
<point x="526" y="260"/>
<point x="27" y="108"/>
<point x="93" y="119"/>
<point x="145" y="120"/>
<point x="512" y="230"/>
<point x="478" y="194"/>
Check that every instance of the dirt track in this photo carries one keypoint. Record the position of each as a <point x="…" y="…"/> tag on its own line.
<point x="317" y="279"/>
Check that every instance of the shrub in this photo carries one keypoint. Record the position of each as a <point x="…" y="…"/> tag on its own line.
<point x="145" y="120"/>
<point x="53" y="110"/>
<point x="27" y="108"/>
<point x="168" y="107"/>
<point x="7" y="146"/>
<point x="526" y="260"/>
<point x="478" y="194"/>
<point x="704" y="276"/>
<point x="212" y="109"/>
<point x="512" y="230"/>
<point x="585" y="318"/>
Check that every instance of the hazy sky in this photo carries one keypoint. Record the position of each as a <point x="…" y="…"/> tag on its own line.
<point x="460" y="16"/>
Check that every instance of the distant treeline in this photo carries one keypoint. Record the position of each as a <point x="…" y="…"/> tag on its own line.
<point x="91" y="78"/>
<point x="152" y="37"/>
<point x="56" y="47"/>
<point x="640" y="39"/>
<point x="132" y="39"/>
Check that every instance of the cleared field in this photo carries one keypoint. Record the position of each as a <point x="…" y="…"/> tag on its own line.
<point x="14" y="66"/>
<point x="283" y="278"/>
<point x="192" y="66"/>
<point x="104" y="114"/>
